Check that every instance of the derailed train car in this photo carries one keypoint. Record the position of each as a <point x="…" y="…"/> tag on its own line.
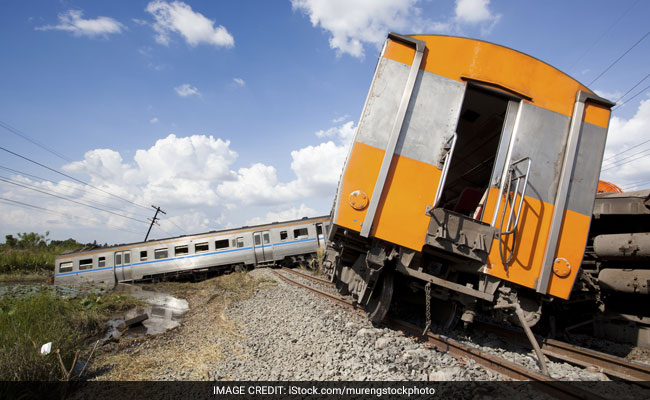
<point x="472" y="175"/>
<point x="286" y="243"/>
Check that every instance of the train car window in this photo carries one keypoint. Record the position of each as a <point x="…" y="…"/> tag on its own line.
<point x="143" y="255"/>
<point x="258" y="239"/>
<point x="86" y="264"/>
<point x="127" y="257"/>
<point x="319" y="229"/>
<point x="240" y="242"/>
<point x="283" y="235"/>
<point x="118" y="259"/>
<point x="267" y="239"/>
<point x="181" y="250"/>
<point x="202" y="247"/>
<point x="101" y="262"/>
<point x="159" y="254"/>
<point x="222" y="244"/>
<point x="65" y="266"/>
<point x="300" y="233"/>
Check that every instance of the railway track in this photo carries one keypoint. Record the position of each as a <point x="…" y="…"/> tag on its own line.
<point x="610" y="365"/>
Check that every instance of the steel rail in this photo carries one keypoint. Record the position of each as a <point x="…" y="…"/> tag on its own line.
<point x="311" y="278"/>
<point x="609" y="364"/>
<point x="509" y="369"/>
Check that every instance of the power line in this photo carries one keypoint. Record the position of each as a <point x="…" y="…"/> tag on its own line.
<point x="70" y="177"/>
<point x="33" y="141"/>
<point x="625" y="151"/>
<point x="603" y="35"/>
<point x="618" y="59"/>
<point x="630" y="99"/>
<point x="626" y="157"/>
<point x="70" y="185"/>
<point x="633" y="184"/>
<point x="64" y="214"/>
<point x="625" y="162"/>
<point x="70" y="200"/>
<point x="632" y="88"/>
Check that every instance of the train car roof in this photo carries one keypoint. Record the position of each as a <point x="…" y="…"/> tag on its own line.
<point x="246" y="228"/>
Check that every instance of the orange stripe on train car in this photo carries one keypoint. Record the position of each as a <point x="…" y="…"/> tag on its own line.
<point x="410" y="187"/>
<point x="455" y="57"/>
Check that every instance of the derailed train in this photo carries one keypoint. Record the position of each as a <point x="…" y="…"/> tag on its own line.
<point x="472" y="178"/>
<point x="287" y="243"/>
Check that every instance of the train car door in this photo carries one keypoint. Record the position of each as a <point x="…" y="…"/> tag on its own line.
<point x="123" y="265"/>
<point x="263" y="247"/>
<point x="320" y="238"/>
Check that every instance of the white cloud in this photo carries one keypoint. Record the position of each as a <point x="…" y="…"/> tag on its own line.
<point x="355" y="23"/>
<point x="609" y="95"/>
<point x="72" y="21"/>
<point x="284" y="215"/>
<point x="344" y="132"/>
<point x="186" y="89"/>
<point x="239" y="82"/>
<point x="625" y="169"/>
<point x="195" y="28"/>
<point x="153" y="120"/>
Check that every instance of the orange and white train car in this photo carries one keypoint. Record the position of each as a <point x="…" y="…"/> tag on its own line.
<point x="473" y="171"/>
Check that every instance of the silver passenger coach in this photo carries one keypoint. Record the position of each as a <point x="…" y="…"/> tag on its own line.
<point x="286" y="243"/>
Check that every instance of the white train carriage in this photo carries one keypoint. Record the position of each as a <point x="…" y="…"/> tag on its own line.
<point x="283" y="243"/>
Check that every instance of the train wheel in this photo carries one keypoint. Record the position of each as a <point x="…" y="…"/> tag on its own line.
<point x="445" y="314"/>
<point x="381" y="297"/>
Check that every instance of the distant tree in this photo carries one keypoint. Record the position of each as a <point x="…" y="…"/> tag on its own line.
<point x="11" y="241"/>
<point x="32" y="240"/>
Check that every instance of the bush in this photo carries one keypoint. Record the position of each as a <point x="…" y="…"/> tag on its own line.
<point x="26" y="323"/>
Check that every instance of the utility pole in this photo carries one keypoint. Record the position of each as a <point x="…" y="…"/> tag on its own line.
<point x="153" y="220"/>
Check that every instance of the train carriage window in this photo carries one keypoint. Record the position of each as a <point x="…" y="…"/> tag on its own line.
<point x="202" y="247"/>
<point x="240" y="242"/>
<point x="65" y="266"/>
<point x="118" y="259"/>
<point x="258" y="239"/>
<point x="222" y="244"/>
<point x="101" y="262"/>
<point x="300" y="233"/>
<point x="181" y="250"/>
<point x="143" y="255"/>
<point x="283" y="235"/>
<point x="267" y="239"/>
<point x="319" y="229"/>
<point x="127" y="257"/>
<point x="160" y="254"/>
<point x="86" y="263"/>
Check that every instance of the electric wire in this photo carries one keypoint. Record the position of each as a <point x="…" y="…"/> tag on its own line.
<point x="632" y="88"/>
<point x="625" y="162"/>
<point x="630" y="99"/>
<point x="31" y="140"/>
<point x="67" y="184"/>
<point x="617" y="161"/>
<point x="603" y="35"/>
<point x="3" y="179"/>
<point x="619" y="58"/>
<point x="635" y="184"/>
<point x="625" y="151"/>
<point x="20" y="203"/>
<point x="71" y="177"/>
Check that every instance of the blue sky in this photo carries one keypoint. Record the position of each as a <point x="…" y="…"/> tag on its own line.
<point x="233" y="113"/>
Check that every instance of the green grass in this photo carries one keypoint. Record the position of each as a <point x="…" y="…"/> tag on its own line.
<point x="26" y="323"/>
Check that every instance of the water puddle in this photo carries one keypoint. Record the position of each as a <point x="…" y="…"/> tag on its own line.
<point x="163" y="311"/>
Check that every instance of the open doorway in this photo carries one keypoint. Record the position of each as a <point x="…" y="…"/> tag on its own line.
<point x="478" y="135"/>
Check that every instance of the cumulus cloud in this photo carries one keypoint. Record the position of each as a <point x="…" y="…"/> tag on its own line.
<point x="284" y="215"/>
<point x="73" y="21"/>
<point x="194" y="27"/>
<point x="186" y="89"/>
<point x="628" y="147"/>
<point x="355" y="23"/>
<point x="239" y="82"/>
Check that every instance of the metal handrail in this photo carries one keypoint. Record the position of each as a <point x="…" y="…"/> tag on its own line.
<point x="514" y="197"/>
<point x="445" y="169"/>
